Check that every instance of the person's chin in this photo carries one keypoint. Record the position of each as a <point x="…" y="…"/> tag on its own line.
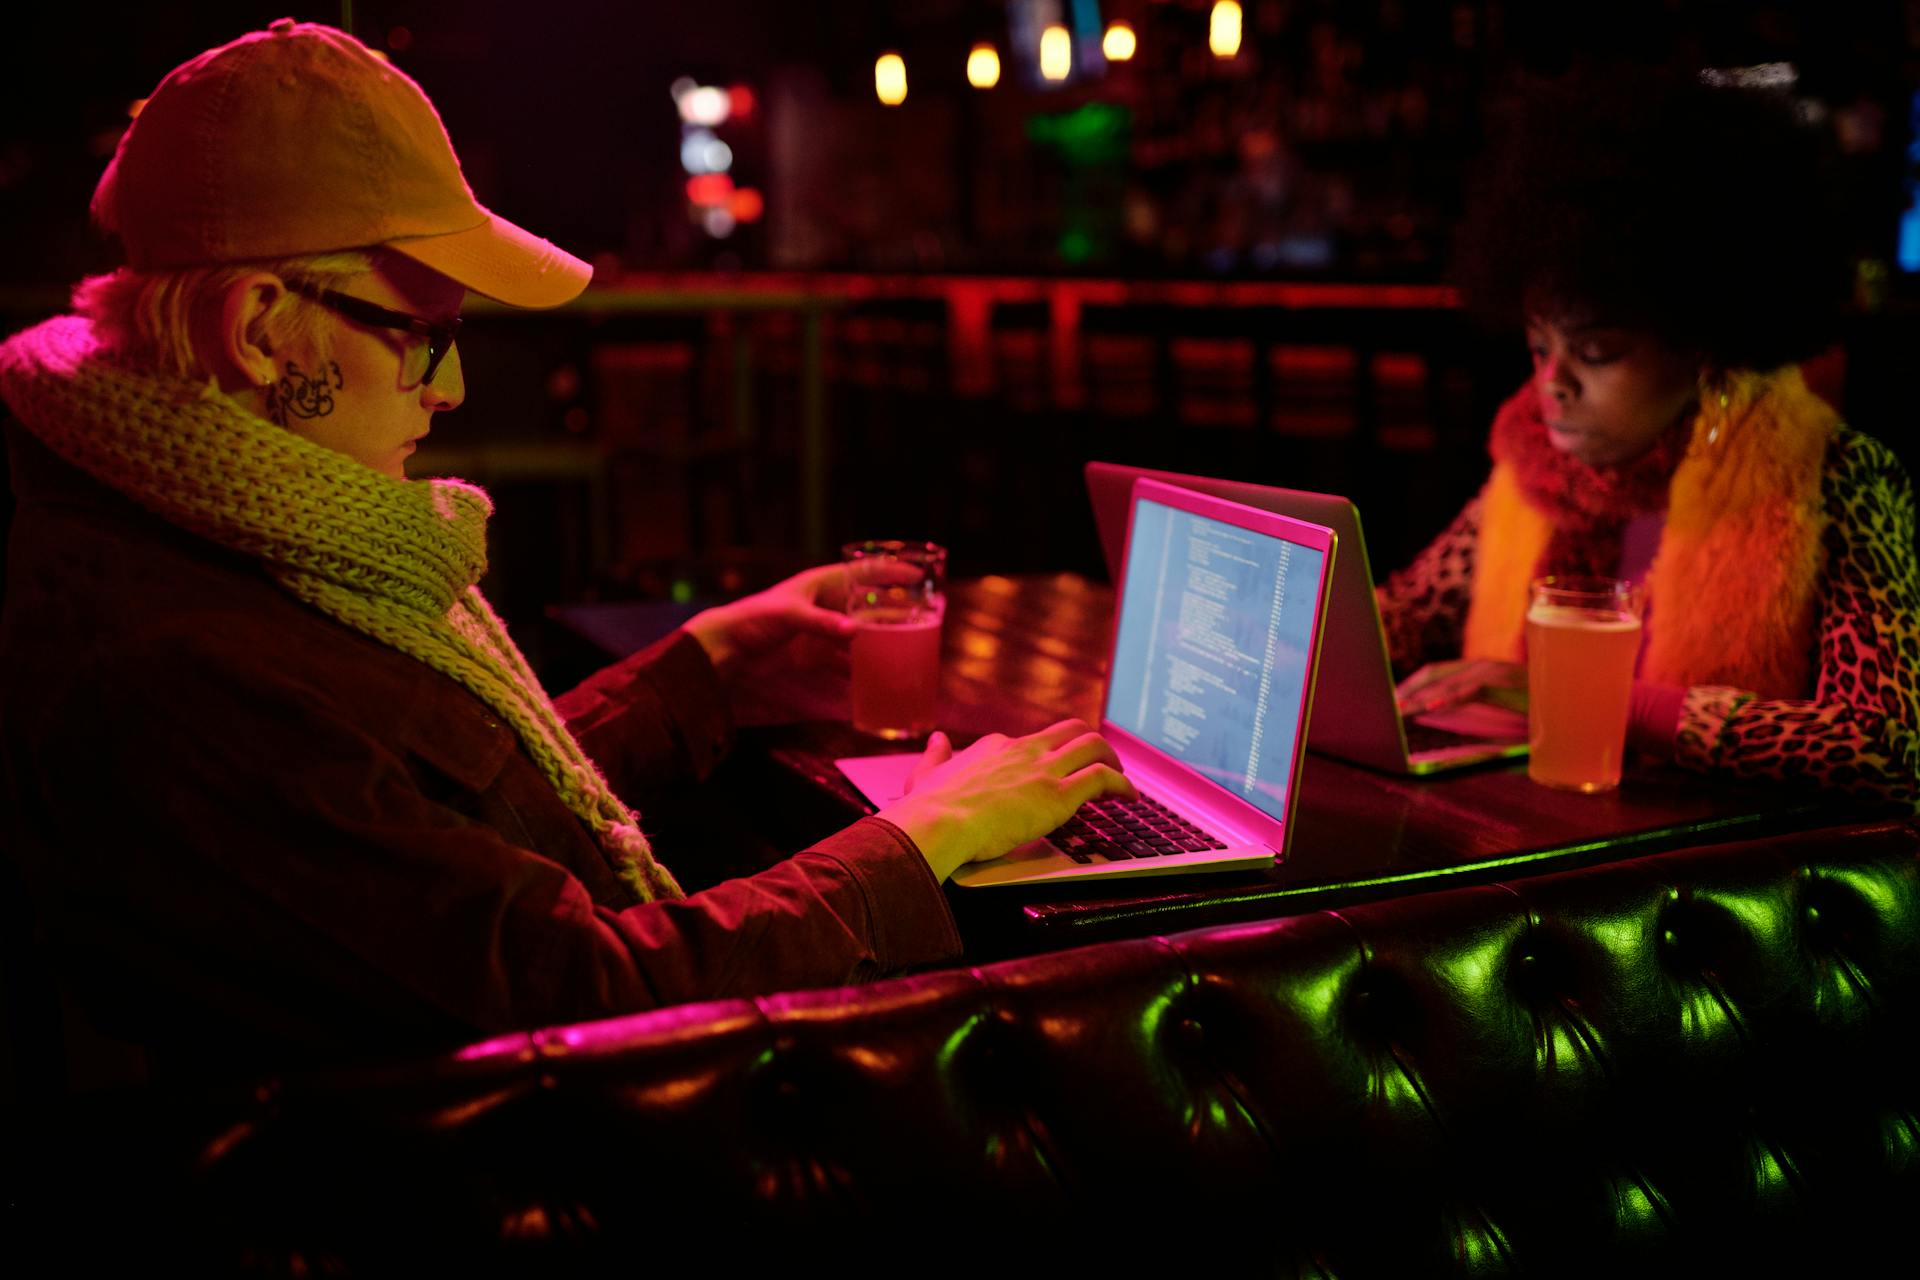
<point x="1582" y="446"/>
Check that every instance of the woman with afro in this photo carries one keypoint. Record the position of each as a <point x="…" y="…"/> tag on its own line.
<point x="1672" y="250"/>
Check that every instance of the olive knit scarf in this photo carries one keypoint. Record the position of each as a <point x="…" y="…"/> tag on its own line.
<point x="396" y="560"/>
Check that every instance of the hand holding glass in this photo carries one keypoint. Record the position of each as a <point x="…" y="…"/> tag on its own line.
<point x="897" y="597"/>
<point x="1583" y="636"/>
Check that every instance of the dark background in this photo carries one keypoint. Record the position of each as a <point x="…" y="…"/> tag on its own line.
<point x="1332" y="145"/>
<point x="655" y="456"/>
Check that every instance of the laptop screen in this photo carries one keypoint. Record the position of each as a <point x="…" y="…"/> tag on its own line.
<point x="1211" y="651"/>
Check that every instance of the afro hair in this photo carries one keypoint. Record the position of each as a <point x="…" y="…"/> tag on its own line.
<point x="1707" y="215"/>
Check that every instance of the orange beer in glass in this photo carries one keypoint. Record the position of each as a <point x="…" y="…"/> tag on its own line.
<point x="1583" y="636"/>
<point x="897" y="597"/>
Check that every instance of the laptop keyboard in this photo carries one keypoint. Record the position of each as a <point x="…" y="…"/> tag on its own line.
<point x="1121" y="829"/>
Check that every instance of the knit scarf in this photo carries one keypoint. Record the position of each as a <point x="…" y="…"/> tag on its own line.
<point x="395" y="560"/>
<point x="1731" y="589"/>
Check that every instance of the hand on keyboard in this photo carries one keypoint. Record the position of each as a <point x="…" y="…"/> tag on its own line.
<point x="1440" y="685"/>
<point x="1118" y="830"/>
<point x="1001" y="792"/>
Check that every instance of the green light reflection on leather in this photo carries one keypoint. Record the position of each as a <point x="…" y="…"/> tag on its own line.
<point x="950" y="1047"/>
<point x="1319" y="997"/>
<point x="1761" y="915"/>
<point x="1881" y="891"/>
<point x="1156" y="1010"/>
<point x="1633" y="1209"/>
<point x="1396" y="1087"/>
<point x="1899" y="1139"/>
<point x="1480" y="1245"/>
<point x="1703" y="1014"/>
<point x="1558" y="1047"/>
<point x="1475" y="968"/>
<point x="1625" y="938"/>
<point x="1769" y="1177"/>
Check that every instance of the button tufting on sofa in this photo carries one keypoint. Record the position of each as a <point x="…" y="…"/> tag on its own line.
<point x="1696" y="1063"/>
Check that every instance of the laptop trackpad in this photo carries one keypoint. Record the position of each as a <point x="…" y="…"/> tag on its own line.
<point x="1035" y="856"/>
<point x="881" y="779"/>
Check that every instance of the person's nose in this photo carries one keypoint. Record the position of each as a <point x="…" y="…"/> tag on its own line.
<point x="1556" y="381"/>
<point x="449" y="385"/>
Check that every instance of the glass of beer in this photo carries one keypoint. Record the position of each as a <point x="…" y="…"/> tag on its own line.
<point x="1583" y="636"/>
<point x="897" y="597"/>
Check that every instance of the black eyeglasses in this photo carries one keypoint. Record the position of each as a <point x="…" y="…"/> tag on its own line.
<point x="439" y="336"/>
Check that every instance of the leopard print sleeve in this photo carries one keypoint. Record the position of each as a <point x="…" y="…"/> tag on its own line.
<point x="1423" y="607"/>
<point x="1860" y="732"/>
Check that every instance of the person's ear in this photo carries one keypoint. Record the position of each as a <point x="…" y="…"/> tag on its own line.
<point x="242" y="354"/>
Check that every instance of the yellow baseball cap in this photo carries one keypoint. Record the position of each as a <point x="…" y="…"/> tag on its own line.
<point x="299" y="139"/>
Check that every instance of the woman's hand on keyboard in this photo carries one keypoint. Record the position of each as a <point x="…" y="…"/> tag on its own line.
<point x="1001" y="792"/>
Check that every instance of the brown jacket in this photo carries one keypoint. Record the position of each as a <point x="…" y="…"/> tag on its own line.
<point x="255" y="836"/>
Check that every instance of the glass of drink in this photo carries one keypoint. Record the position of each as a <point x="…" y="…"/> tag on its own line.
<point x="1583" y="636"/>
<point x="897" y="596"/>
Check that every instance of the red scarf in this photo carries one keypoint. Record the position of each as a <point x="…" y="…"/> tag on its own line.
<point x="1731" y="594"/>
<point x="1589" y="507"/>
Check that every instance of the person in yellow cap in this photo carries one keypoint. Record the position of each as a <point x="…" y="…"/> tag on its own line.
<point x="279" y="783"/>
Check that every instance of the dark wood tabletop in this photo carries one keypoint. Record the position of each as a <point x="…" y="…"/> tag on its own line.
<point x="1021" y="653"/>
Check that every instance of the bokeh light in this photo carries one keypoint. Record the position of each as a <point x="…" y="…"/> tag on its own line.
<point x="746" y="204"/>
<point x="890" y="79"/>
<point x="983" y="66"/>
<point x="704" y="105"/>
<point x="1056" y="52"/>
<point x="710" y="189"/>
<point x="1223" y="29"/>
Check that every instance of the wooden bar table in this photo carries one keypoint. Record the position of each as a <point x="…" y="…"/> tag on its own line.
<point x="1021" y="653"/>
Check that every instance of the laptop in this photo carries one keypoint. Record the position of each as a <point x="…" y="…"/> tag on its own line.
<point x="1356" y="714"/>
<point x="1210" y="674"/>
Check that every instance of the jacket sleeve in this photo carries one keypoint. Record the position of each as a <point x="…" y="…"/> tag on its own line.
<point x="1860" y="732"/>
<point x="1423" y="607"/>
<point x="266" y="853"/>
<point x="656" y="717"/>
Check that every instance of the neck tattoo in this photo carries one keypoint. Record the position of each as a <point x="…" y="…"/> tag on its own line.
<point x="303" y="395"/>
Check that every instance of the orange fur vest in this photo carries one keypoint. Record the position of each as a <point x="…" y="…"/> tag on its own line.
<point x="1730" y="594"/>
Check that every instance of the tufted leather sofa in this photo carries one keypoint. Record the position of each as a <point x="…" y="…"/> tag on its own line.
<point x="1701" y="1062"/>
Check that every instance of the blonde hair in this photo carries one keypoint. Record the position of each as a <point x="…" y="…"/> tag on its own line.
<point x="167" y="321"/>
